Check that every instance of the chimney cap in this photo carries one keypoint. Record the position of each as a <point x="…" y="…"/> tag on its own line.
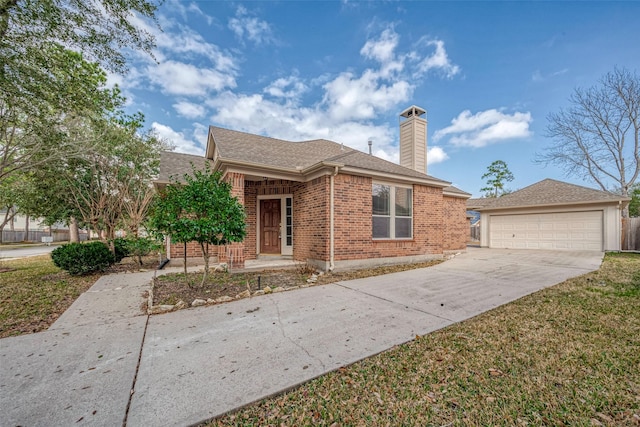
<point x="413" y="111"/>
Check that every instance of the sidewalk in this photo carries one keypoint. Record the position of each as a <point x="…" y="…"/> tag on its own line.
<point x="200" y="363"/>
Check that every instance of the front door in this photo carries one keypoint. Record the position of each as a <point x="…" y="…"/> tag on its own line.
<point x="270" y="226"/>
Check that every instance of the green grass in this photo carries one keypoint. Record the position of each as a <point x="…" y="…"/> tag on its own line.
<point x="35" y="293"/>
<point x="567" y="355"/>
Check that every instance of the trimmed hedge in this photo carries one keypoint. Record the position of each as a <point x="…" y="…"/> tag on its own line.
<point x="82" y="258"/>
<point x="121" y="248"/>
<point x="141" y="246"/>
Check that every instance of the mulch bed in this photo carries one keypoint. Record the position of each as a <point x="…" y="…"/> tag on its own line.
<point x="172" y="288"/>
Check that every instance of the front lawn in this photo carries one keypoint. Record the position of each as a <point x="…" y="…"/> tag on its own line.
<point x="34" y="292"/>
<point x="567" y="355"/>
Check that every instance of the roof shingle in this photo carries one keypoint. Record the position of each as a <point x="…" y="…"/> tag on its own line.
<point x="546" y="193"/>
<point x="256" y="149"/>
<point x="177" y="164"/>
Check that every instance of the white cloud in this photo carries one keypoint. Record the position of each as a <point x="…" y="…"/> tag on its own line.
<point x="189" y="109"/>
<point x="537" y="75"/>
<point x="194" y="8"/>
<point x="286" y="87"/>
<point x="438" y="60"/>
<point x="436" y="155"/>
<point x="178" y="78"/>
<point x="350" y="97"/>
<point x="254" y="29"/>
<point x="382" y="49"/>
<point x="178" y="140"/>
<point x="485" y="128"/>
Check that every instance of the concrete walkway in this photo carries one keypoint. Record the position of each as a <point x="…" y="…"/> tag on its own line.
<point x="192" y="365"/>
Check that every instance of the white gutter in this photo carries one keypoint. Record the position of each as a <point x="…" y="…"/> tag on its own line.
<point x="331" y="214"/>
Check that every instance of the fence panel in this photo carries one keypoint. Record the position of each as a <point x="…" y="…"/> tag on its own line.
<point x="474" y="233"/>
<point x="18" y="236"/>
<point x="631" y="234"/>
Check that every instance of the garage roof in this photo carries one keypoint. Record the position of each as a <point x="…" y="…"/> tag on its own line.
<point x="548" y="192"/>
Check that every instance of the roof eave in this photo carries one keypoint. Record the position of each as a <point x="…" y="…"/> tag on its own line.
<point x="460" y="195"/>
<point x="622" y="201"/>
<point x="395" y="177"/>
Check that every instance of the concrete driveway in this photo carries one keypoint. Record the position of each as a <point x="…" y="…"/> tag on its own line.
<point x="8" y="252"/>
<point x="199" y="363"/>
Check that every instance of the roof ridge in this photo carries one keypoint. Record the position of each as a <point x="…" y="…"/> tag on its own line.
<point x="565" y="184"/>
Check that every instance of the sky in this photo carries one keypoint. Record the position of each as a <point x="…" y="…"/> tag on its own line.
<point x="487" y="73"/>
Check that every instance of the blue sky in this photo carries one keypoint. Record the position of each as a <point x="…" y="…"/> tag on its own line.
<point x="488" y="74"/>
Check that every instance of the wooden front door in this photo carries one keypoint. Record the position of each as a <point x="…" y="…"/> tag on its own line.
<point x="270" y="226"/>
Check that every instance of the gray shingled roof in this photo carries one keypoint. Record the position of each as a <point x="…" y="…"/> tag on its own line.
<point x="546" y="192"/>
<point x="455" y="190"/>
<point x="478" y="203"/>
<point x="249" y="148"/>
<point x="178" y="164"/>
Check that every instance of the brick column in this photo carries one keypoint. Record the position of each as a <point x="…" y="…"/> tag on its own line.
<point x="234" y="252"/>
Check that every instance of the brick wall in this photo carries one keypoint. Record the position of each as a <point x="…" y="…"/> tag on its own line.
<point x="439" y="223"/>
<point x="353" y="228"/>
<point x="456" y="224"/>
<point x="193" y="250"/>
<point x="311" y="220"/>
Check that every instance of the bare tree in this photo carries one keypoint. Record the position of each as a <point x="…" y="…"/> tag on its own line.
<point x="597" y="137"/>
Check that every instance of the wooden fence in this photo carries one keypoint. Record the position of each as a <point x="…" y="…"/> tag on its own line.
<point x="474" y="233"/>
<point x="18" y="236"/>
<point x="631" y="234"/>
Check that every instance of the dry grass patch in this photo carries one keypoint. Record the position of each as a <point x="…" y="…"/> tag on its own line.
<point x="567" y="355"/>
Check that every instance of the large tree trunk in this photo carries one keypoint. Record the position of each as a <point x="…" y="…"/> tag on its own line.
<point x="26" y="229"/>
<point x="74" y="233"/>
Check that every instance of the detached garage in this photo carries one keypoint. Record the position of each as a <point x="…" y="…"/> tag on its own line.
<point x="551" y="215"/>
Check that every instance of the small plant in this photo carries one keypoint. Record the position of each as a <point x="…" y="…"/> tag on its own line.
<point x="141" y="246"/>
<point x="82" y="258"/>
<point x="306" y="269"/>
<point x="121" y="248"/>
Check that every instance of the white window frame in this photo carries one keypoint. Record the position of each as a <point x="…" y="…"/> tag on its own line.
<point x="392" y="211"/>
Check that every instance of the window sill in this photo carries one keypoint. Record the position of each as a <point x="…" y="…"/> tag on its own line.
<point x="400" y="239"/>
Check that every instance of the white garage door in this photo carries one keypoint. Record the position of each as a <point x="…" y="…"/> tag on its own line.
<point x="563" y="230"/>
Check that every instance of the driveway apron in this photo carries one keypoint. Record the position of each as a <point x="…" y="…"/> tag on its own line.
<point x="201" y="363"/>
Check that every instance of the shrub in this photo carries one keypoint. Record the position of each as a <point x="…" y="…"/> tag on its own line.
<point x="141" y="246"/>
<point x="121" y="248"/>
<point x="82" y="258"/>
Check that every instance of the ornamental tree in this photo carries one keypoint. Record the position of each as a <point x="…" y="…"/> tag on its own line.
<point x="200" y="208"/>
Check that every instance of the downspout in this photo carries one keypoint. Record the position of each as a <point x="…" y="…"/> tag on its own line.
<point x="331" y="214"/>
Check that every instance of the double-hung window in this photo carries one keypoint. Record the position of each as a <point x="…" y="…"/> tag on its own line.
<point x="392" y="212"/>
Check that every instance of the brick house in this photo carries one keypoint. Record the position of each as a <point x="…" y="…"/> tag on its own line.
<point x="329" y="205"/>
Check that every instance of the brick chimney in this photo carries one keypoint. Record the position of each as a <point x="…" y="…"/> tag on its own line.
<point x="413" y="139"/>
